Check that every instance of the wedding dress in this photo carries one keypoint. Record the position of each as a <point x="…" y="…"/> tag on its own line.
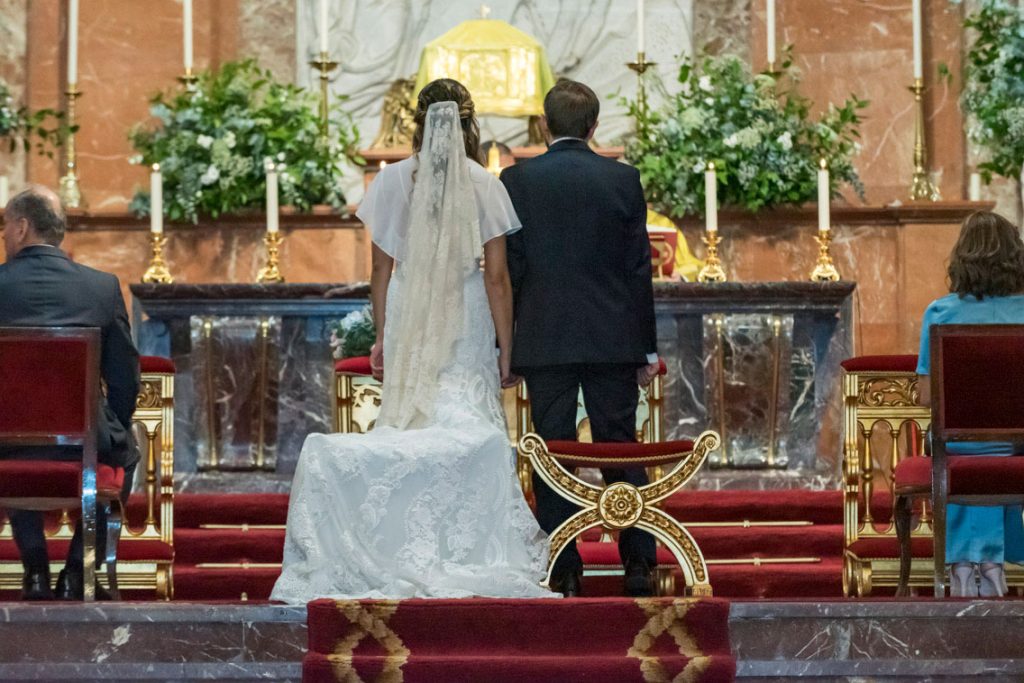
<point x="427" y="504"/>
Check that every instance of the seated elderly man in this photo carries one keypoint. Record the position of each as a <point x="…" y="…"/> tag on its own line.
<point x="41" y="287"/>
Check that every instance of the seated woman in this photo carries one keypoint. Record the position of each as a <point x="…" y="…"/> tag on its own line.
<point x="986" y="281"/>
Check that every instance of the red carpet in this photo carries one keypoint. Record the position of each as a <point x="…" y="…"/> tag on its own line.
<point x="610" y="640"/>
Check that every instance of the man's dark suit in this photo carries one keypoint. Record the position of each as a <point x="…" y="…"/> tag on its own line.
<point x="584" y="309"/>
<point x="42" y="287"/>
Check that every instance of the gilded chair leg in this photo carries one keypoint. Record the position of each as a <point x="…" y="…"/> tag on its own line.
<point x="902" y="511"/>
<point x="115" y="517"/>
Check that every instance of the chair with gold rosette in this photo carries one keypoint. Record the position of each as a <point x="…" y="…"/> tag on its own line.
<point x="975" y="398"/>
<point x="356" y="396"/>
<point x="145" y="553"/>
<point x="621" y="505"/>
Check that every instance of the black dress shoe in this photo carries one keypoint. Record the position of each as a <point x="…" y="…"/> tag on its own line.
<point x="569" y="585"/>
<point x="71" y="586"/>
<point x="639" y="582"/>
<point x="36" y="585"/>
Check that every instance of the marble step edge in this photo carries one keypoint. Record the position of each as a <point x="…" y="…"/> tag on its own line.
<point x="239" y="672"/>
<point x="881" y="669"/>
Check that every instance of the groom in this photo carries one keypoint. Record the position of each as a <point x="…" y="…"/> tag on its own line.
<point x="584" y="307"/>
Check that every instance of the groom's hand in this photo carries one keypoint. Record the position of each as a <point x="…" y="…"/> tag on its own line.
<point x="646" y="374"/>
<point x="377" y="361"/>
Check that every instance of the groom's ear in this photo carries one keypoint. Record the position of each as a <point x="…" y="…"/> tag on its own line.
<point x="590" y="133"/>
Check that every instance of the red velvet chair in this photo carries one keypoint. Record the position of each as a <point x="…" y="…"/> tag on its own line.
<point x="49" y="393"/>
<point x="976" y="373"/>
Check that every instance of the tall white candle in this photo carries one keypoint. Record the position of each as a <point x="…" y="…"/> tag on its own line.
<point x="770" y="30"/>
<point x="824" y="197"/>
<point x="5" y="191"/>
<point x="72" y="41"/>
<point x="918" y="50"/>
<point x="639" y="25"/>
<point x="323" y="26"/>
<point x="711" y="199"/>
<point x="272" y="208"/>
<point x="974" y="188"/>
<point x="156" y="200"/>
<point x="186" y="28"/>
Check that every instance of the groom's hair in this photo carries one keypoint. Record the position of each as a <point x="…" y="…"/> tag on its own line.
<point x="571" y="109"/>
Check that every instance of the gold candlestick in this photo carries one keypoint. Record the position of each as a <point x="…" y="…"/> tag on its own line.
<point x="70" y="192"/>
<point x="712" y="270"/>
<point x="188" y="79"/>
<point x="157" y="271"/>
<point x="825" y="269"/>
<point x="271" y="272"/>
<point x="325" y="66"/>
<point x="921" y="186"/>
<point x="640" y="66"/>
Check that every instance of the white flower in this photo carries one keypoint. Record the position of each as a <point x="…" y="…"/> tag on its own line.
<point x="280" y="156"/>
<point x="705" y="84"/>
<point x="211" y="175"/>
<point x="229" y="139"/>
<point x="709" y="101"/>
<point x="732" y="140"/>
<point x="700" y="166"/>
<point x="204" y="141"/>
<point x="136" y="159"/>
<point x="785" y="141"/>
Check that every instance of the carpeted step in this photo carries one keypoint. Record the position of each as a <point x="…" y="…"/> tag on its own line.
<point x="198" y="546"/>
<point x="192" y="510"/>
<point x="774" y="541"/>
<point x="820" y="507"/>
<point x="224" y="583"/>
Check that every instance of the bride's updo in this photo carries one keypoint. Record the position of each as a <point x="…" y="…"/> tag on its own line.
<point x="448" y="90"/>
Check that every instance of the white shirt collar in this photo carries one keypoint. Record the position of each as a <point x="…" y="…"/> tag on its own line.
<point x="567" y="137"/>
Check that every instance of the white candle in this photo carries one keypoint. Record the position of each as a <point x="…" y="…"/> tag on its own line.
<point x="639" y="26"/>
<point x="974" y="188"/>
<point x="824" y="196"/>
<point x="186" y="29"/>
<point x="323" y="26"/>
<point x="770" y="29"/>
<point x="156" y="200"/>
<point x="272" y="209"/>
<point x="918" y="54"/>
<point x="72" y="41"/>
<point x="5" y="191"/>
<point x="711" y="199"/>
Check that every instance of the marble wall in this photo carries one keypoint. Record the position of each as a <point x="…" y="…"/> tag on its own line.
<point x="13" y="51"/>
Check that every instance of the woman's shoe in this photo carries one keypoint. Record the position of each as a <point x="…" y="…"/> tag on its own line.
<point x="962" y="581"/>
<point x="993" y="580"/>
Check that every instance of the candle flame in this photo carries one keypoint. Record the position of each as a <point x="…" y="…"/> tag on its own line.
<point x="823" y="164"/>
<point x="156" y="168"/>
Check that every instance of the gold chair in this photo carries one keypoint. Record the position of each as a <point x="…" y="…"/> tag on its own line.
<point x="356" y="395"/>
<point x="145" y="556"/>
<point x="621" y="505"/>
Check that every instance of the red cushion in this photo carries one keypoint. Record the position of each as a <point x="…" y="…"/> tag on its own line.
<point x="577" y="454"/>
<point x="360" y="365"/>
<point x="156" y="364"/>
<point x="42" y="386"/>
<point x="868" y="548"/>
<point x="913" y="474"/>
<point x="129" y="549"/>
<point x="662" y="368"/>
<point x="981" y="376"/>
<point x="43" y="480"/>
<point x="971" y="475"/>
<point x="596" y="553"/>
<point x="881" y="364"/>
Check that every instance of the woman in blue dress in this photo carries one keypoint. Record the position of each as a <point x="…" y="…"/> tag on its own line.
<point x="986" y="282"/>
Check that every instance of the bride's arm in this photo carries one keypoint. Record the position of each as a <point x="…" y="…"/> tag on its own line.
<point x="380" y="278"/>
<point x="499" y="294"/>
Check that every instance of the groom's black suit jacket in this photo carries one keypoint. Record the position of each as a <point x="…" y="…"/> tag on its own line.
<point x="42" y="287"/>
<point x="581" y="265"/>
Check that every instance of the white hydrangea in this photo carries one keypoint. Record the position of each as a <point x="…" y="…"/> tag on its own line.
<point x="700" y="166"/>
<point x="785" y="141"/>
<point x="211" y="175"/>
<point x="705" y="84"/>
<point x="204" y="141"/>
<point x="229" y="139"/>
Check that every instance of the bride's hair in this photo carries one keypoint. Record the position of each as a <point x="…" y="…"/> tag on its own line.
<point x="448" y="90"/>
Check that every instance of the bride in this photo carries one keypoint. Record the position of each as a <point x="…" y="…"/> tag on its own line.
<point x="427" y="504"/>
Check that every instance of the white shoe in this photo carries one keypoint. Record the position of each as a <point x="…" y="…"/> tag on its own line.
<point x="993" y="580"/>
<point x="963" y="582"/>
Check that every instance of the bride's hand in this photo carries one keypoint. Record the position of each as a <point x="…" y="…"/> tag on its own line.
<point x="377" y="361"/>
<point x="505" y="371"/>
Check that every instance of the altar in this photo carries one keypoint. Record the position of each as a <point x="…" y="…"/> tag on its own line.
<point x="757" y="362"/>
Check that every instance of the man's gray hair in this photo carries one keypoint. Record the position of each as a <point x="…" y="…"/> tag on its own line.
<point x="47" y="221"/>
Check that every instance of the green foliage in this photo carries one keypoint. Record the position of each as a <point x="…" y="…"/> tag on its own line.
<point x="22" y="127"/>
<point x="993" y="93"/>
<point x="213" y="145"/>
<point x="760" y="136"/>
<point x="354" y="335"/>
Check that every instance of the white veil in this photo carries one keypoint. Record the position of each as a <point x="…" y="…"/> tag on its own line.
<point x="443" y="246"/>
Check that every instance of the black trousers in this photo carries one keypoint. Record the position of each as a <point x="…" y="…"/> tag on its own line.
<point x="28" y="528"/>
<point x="610" y="396"/>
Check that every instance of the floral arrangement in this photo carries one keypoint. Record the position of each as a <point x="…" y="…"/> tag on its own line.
<point x="19" y="125"/>
<point x="759" y="134"/>
<point x="214" y="143"/>
<point x="993" y="92"/>
<point x="354" y="335"/>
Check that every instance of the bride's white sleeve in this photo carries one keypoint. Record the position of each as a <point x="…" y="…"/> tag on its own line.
<point x="385" y="213"/>
<point x="497" y="215"/>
